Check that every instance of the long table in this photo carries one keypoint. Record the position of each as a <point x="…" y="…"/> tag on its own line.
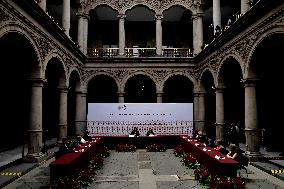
<point x="170" y="141"/>
<point x="207" y="157"/>
<point x="72" y="163"/>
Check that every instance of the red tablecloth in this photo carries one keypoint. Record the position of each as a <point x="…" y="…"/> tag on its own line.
<point x="72" y="163"/>
<point x="208" y="158"/>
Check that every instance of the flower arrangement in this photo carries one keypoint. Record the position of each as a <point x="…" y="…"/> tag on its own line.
<point x="179" y="151"/>
<point x="202" y="175"/>
<point x="68" y="183"/>
<point x="220" y="182"/>
<point x="190" y="161"/>
<point x="97" y="162"/>
<point x="121" y="147"/>
<point x="103" y="152"/>
<point x="81" y="180"/>
<point x="87" y="175"/>
<point x="156" y="147"/>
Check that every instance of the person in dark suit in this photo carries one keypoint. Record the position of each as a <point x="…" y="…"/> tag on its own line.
<point x="63" y="149"/>
<point x="135" y="132"/>
<point x="87" y="136"/>
<point x="219" y="147"/>
<point x="150" y="133"/>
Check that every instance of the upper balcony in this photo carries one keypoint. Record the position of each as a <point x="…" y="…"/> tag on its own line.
<point x="139" y="52"/>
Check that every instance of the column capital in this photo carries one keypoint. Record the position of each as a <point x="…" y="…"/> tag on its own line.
<point x="159" y="16"/>
<point x="219" y="90"/>
<point x="199" y="93"/>
<point x="36" y="82"/>
<point x="121" y="16"/>
<point x="83" y="15"/>
<point x="62" y="89"/>
<point x="81" y="92"/>
<point x="250" y="82"/>
<point x="120" y="93"/>
<point x="197" y="15"/>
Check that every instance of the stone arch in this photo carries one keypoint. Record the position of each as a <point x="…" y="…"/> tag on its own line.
<point x="74" y="69"/>
<point x="88" y="79"/>
<point x="51" y="55"/>
<point x="13" y="28"/>
<point x="96" y="4"/>
<point x="200" y="86"/>
<point x="123" y="83"/>
<point x="229" y="77"/>
<point x="219" y="81"/>
<point x="180" y="4"/>
<point x="135" y="4"/>
<point x="175" y="74"/>
<point x="249" y="71"/>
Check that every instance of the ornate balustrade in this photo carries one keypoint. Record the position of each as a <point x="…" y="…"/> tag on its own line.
<point x="103" y="52"/>
<point x="177" y="52"/>
<point x="140" y="52"/>
<point x="109" y="128"/>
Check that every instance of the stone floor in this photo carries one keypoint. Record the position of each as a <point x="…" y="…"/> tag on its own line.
<point x="137" y="170"/>
<point x="141" y="169"/>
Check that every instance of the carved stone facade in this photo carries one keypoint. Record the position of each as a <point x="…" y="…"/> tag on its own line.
<point x="121" y="75"/>
<point x="240" y="47"/>
<point x="158" y="6"/>
<point x="44" y="44"/>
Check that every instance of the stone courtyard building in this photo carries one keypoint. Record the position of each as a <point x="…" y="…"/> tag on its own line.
<point x="59" y="55"/>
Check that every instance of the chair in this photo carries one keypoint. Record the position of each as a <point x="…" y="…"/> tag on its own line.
<point x="243" y="163"/>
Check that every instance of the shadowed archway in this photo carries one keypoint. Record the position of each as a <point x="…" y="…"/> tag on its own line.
<point x="102" y="89"/>
<point x="140" y="89"/>
<point x="20" y="62"/>
<point x="178" y="89"/>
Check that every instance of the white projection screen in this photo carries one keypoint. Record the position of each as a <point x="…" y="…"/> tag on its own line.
<point x="119" y="119"/>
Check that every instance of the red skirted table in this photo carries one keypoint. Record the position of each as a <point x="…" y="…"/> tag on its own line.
<point x="170" y="141"/>
<point x="207" y="156"/>
<point x="72" y="163"/>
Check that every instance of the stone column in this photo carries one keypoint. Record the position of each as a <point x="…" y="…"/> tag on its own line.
<point x="42" y="4"/>
<point x="35" y="122"/>
<point x="195" y="112"/>
<point x="121" y="42"/>
<point x="220" y="121"/>
<point x="252" y="131"/>
<point x="197" y="32"/>
<point x="66" y="16"/>
<point x="81" y="112"/>
<point x="201" y="111"/>
<point x="244" y="6"/>
<point x="121" y="97"/>
<point x="216" y="14"/>
<point x="82" y="35"/>
<point x="159" y="33"/>
<point x="62" y="123"/>
<point x="159" y="97"/>
<point x="85" y="34"/>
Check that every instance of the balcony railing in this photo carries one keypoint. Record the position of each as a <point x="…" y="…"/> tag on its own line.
<point x="140" y="52"/>
<point x="103" y="52"/>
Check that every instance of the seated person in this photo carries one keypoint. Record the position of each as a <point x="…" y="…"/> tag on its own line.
<point x="234" y="152"/>
<point x="201" y="137"/>
<point x="79" y="140"/>
<point x="63" y="149"/>
<point x="87" y="136"/>
<point x="135" y="132"/>
<point x="209" y="141"/>
<point x="219" y="147"/>
<point x="150" y="133"/>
